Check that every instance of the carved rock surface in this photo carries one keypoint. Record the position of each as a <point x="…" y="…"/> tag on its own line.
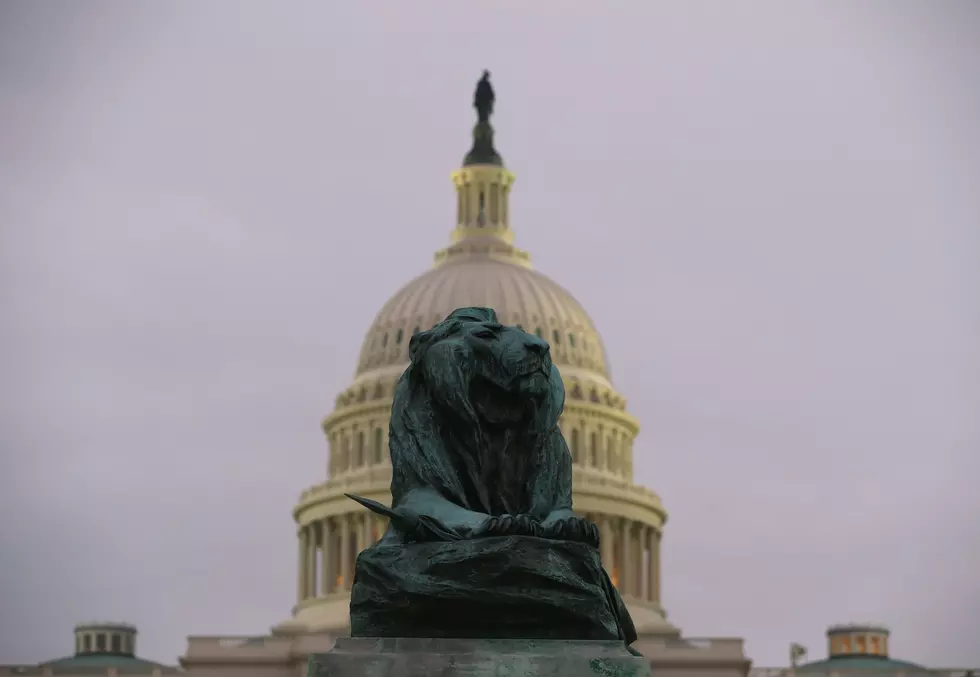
<point x="504" y="587"/>
<point x="409" y="657"/>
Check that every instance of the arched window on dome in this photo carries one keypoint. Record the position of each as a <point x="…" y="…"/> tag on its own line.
<point x="384" y="340"/>
<point x="571" y="340"/>
<point x="556" y="337"/>
<point x="378" y="442"/>
<point x="359" y="450"/>
<point x="398" y="337"/>
<point x="575" y="446"/>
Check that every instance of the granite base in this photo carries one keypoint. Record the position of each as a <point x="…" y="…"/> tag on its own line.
<point x="421" y="657"/>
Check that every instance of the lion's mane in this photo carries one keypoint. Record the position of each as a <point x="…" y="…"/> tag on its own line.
<point x="438" y="438"/>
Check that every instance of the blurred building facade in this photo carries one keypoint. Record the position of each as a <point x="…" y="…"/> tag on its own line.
<point x="101" y="648"/>
<point x="109" y="649"/>
<point x="856" y="650"/>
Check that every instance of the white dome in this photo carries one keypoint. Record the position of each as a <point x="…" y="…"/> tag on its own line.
<point x="519" y="295"/>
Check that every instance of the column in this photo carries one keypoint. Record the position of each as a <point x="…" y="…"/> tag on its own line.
<point x="646" y="542"/>
<point x="301" y="575"/>
<point x="636" y="534"/>
<point x="357" y="523"/>
<point x="606" y="542"/>
<point x="345" y="563"/>
<point x="655" y="566"/>
<point x="326" y="545"/>
<point x="311" y="559"/>
<point x="625" y="558"/>
<point x="368" y="539"/>
<point x="503" y="204"/>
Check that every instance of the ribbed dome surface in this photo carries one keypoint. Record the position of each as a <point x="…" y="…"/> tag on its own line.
<point x="520" y="296"/>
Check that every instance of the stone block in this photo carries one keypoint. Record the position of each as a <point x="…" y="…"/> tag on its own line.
<point x="422" y="657"/>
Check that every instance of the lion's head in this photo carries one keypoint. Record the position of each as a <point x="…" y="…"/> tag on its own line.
<point x="473" y="365"/>
<point x="474" y="410"/>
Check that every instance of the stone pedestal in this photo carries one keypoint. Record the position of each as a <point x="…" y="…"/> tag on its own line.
<point x="419" y="657"/>
<point x="491" y="588"/>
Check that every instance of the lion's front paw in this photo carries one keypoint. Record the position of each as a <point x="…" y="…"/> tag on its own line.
<point x="511" y="525"/>
<point x="573" y="529"/>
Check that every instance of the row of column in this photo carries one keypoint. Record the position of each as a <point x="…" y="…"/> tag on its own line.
<point x="482" y="203"/>
<point x="98" y="641"/>
<point x="631" y="555"/>
<point x="329" y="547"/>
<point x="593" y="449"/>
<point x="359" y="448"/>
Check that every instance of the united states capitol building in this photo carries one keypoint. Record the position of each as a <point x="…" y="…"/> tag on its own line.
<point x="481" y="265"/>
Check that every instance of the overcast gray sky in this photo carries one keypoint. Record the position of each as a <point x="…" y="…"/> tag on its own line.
<point x="770" y="210"/>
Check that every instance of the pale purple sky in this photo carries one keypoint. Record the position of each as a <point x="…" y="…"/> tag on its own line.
<point x="769" y="208"/>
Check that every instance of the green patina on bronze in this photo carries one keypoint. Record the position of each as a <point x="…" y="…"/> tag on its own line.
<point x="482" y="541"/>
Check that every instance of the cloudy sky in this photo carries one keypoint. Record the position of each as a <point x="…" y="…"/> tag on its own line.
<point x="770" y="210"/>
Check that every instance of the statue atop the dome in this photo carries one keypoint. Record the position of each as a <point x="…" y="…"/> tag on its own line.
<point x="481" y="539"/>
<point x="483" y="152"/>
<point x="483" y="98"/>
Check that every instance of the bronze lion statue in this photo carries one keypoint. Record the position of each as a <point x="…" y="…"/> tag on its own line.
<point x="481" y="524"/>
<point x="475" y="445"/>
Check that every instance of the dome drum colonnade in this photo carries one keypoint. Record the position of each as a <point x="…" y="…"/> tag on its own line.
<point x="630" y="551"/>
<point x="480" y="267"/>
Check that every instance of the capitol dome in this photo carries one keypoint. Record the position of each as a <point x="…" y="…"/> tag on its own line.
<point x="520" y="296"/>
<point x="480" y="266"/>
